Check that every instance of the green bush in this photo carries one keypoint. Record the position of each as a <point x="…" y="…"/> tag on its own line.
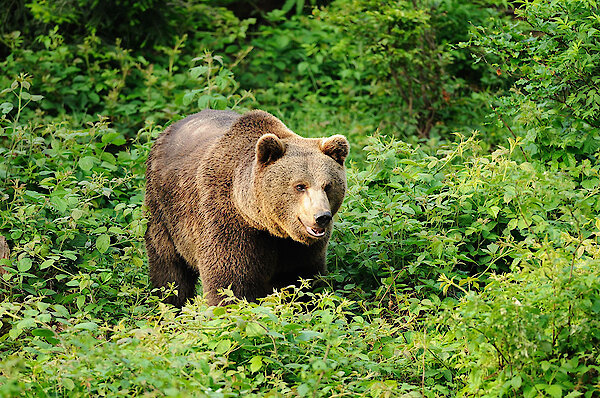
<point x="535" y="331"/>
<point x="396" y="63"/>
<point x="137" y="24"/>
<point x="87" y="79"/>
<point x="275" y="349"/>
<point x="411" y="216"/>
<point x="551" y="52"/>
<point x="72" y="214"/>
<point x="458" y="270"/>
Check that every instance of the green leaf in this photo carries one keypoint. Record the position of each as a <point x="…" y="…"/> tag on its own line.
<point x="204" y="366"/>
<point x="223" y="346"/>
<point x="303" y="390"/>
<point x="87" y="162"/>
<point x="306" y="335"/>
<point x="59" y="203"/>
<point x="6" y="107"/>
<point x="203" y="101"/>
<point x="47" y="263"/>
<point x="107" y="138"/>
<point x="253" y="329"/>
<point x="189" y="97"/>
<point x="493" y="211"/>
<point x="15" y="332"/>
<point x="103" y="243"/>
<point x="67" y="383"/>
<point x="256" y="363"/>
<point x="25" y="323"/>
<point x="197" y="71"/>
<point x="218" y="102"/>
<point x="76" y="214"/>
<point x="24" y="264"/>
<point x="42" y="332"/>
<point x="86" y="326"/>
<point x="554" y="391"/>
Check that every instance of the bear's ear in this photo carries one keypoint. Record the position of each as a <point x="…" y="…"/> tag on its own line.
<point x="336" y="147"/>
<point x="269" y="148"/>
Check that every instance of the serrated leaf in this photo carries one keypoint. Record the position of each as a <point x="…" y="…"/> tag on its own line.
<point x="198" y="70"/>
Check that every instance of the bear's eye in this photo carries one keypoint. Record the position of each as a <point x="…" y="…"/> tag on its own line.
<point x="300" y="187"/>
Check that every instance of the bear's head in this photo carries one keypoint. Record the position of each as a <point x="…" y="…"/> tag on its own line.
<point x="298" y="184"/>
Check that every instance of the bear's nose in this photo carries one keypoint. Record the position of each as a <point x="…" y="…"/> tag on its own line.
<point x="323" y="218"/>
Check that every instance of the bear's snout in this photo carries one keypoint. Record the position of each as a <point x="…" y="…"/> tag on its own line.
<point x="323" y="218"/>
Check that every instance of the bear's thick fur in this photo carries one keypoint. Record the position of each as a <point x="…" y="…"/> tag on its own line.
<point x="240" y="201"/>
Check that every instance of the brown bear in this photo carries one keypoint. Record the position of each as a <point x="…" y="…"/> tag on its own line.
<point x="242" y="202"/>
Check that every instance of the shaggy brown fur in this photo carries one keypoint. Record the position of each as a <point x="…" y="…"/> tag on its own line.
<point x="240" y="201"/>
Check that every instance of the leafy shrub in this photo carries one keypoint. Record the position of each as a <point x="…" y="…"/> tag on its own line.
<point x="245" y="349"/>
<point x="551" y="52"/>
<point x="88" y="79"/>
<point x="473" y="272"/>
<point x="411" y="217"/>
<point x="71" y="212"/>
<point x="141" y="24"/>
<point x="534" y="331"/>
<point x="393" y="62"/>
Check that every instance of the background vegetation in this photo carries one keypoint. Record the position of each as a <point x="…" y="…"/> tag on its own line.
<point x="466" y="258"/>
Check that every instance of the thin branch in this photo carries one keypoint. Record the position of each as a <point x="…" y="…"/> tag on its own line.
<point x="509" y="129"/>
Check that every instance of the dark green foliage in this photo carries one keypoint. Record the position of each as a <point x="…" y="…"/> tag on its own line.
<point x="392" y="61"/>
<point x="137" y="24"/>
<point x="71" y="210"/>
<point x="461" y="265"/>
<point x="551" y="52"/>
<point x="244" y="350"/>
<point x="87" y="78"/>
<point x="411" y="217"/>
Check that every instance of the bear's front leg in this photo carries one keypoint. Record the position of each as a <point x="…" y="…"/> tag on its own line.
<point x="168" y="267"/>
<point x="244" y="263"/>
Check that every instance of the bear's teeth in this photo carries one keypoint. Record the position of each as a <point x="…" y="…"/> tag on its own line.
<point x="316" y="233"/>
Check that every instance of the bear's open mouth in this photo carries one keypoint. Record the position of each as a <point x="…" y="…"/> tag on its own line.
<point x="316" y="232"/>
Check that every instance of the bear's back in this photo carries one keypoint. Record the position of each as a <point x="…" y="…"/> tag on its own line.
<point x="195" y="133"/>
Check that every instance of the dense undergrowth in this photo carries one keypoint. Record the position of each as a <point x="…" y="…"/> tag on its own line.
<point x="463" y="263"/>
